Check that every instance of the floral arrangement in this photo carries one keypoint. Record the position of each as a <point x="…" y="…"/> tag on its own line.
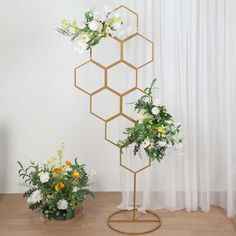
<point x="92" y="29"/>
<point x="55" y="187"/>
<point x="155" y="131"/>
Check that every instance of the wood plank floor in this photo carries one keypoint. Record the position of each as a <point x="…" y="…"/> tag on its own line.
<point x="17" y="220"/>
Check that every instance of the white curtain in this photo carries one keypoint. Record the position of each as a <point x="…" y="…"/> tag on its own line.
<point x="195" y="55"/>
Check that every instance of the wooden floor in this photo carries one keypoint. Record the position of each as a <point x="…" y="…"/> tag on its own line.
<point x="17" y="220"/>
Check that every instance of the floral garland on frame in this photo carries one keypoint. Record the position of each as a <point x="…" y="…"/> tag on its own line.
<point x="155" y="131"/>
<point x="92" y="29"/>
<point x="55" y="187"/>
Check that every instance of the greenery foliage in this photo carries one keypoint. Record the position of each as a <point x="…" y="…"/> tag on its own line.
<point x="91" y="30"/>
<point x="155" y="131"/>
<point x="55" y="187"/>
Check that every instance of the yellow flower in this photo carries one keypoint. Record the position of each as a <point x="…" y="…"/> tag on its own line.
<point x="75" y="174"/>
<point x="161" y="129"/>
<point x="58" y="170"/>
<point x="59" y="186"/>
<point x="68" y="163"/>
<point x="116" y="20"/>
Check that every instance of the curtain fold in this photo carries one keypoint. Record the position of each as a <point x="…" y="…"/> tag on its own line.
<point x="195" y="53"/>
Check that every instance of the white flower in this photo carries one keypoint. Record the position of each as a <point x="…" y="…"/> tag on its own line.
<point x="35" y="197"/>
<point x="92" y="173"/>
<point x="100" y="26"/>
<point x="44" y="177"/>
<point x="95" y="25"/>
<point x="107" y="9"/>
<point x="75" y="189"/>
<point x="44" y="162"/>
<point x="116" y="26"/>
<point x="96" y="16"/>
<point x="68" y="168"/>
<point x="179" y="146"/>
<point x="155" y="110"/>
<point x="146" y="143"/>
<point x="116" y="14"/>
<point x="80" y="46"/>
<point x="162" y="143"/>
<point x="62" y="204"/>
<point x="83" y="37"/>
<point x="146" y="99"/>
<point x="82" y="25"/>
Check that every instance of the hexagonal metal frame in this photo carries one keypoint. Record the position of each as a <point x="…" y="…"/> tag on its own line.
<point x="136" y="77"/>
<point x="80" y="66"/>
<point x="121" y="113"/>
<point x="122" y="42"/>
<point x="146" y="39"/>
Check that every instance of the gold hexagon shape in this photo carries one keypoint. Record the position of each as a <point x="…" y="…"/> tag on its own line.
<point x="99" y="104"/>
<point x="107" y="52"/>
<point x="130" y="23"/>
<point x="145" y="76"/>
<point x="133" y="53"/>
<point x="137" y="164"/>
<point x="89" y="77"/>
<point x="121" y="78"/>
<point x="115" y="127"/>
<point x="128" y="102"/>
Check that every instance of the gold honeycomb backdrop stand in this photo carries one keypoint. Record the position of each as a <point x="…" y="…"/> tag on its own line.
<point x="120" y="220"/>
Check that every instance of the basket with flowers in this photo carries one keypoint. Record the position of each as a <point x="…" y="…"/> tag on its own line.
<point x="55" y="187"/>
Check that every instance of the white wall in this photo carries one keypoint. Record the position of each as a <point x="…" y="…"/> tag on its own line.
<point x="39" y="106"/>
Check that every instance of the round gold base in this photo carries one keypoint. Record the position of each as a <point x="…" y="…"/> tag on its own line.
<point x="136" y="219"/>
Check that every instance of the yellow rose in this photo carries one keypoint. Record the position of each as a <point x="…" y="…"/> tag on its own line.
<point x="59" y="186"/>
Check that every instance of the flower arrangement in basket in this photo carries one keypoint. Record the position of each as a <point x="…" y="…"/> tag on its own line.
<point x="55" y="187"/>
<point x="155" y="131"/>
<point x="92" y="29"/>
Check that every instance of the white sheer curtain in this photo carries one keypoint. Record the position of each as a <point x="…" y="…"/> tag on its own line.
<point x="195" y="55"/>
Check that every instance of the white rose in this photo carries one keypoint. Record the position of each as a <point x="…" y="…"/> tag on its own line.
<point x="62" y="204"/>
<point x="44" y="177"/>
<point x="35" y="197"/>
<point x="155" y="110"/>
<point x="162" y="143"/>
<point x="146" y="143"/>
<point x="95" y="25"/>
<point x="179" y="146"/>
